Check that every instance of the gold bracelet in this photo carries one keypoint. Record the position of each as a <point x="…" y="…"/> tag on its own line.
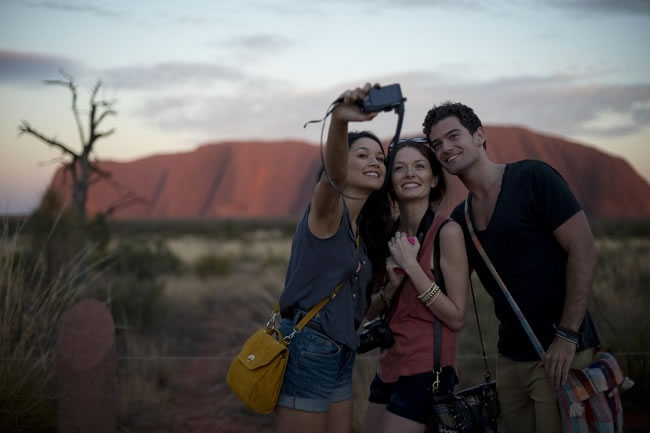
<point x="433" y="299"/>
<point x="431" y="295"/>
<point x="428" y="291"/>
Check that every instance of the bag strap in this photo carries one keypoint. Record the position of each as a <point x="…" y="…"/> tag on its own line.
<point x="423" y="228"/>
<point x="316" y="308"/>
<point x="477" y="244"/>
<point x="488" y="374"/>
<point x="440" y="281"/>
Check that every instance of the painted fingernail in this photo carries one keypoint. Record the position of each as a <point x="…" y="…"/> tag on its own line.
<point x="411" y="240"/>
<point x="399" y="271"/>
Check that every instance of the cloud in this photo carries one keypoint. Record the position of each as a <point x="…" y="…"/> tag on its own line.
<point x="558" y="104"/>
<point x="250" y="49"/>
<point x="257" y="108"/>
<point x="552" y="104"/>
<point x="633" y="7"/>
<point x="32" y="68"/>
<point x="165" y="75"/>
<point x="260" y="43"/>
<point x="74" y="7"/>
<point x="423" y="3"/>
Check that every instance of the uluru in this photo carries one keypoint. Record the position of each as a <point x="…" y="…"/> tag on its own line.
<point x="253" y="179"/>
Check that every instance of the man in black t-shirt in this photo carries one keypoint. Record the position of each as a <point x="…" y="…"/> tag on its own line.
<point x="539" y="241"/>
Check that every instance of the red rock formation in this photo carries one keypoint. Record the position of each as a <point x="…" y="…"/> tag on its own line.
<point x="271" y="179"/>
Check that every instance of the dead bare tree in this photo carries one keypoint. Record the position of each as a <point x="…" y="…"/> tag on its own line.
<point x="79" y="163"/>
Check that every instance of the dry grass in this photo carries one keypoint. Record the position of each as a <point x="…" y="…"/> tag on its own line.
<point x="172" y="377"/>
<point x="143" y="388"/>
<point x="240" y="302"/>
<point x="620" y="308"/>
<point x="259" y="246"/>
<point x="29" y="307"/>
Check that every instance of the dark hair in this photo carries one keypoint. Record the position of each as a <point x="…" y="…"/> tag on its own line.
<point x="374" y="219"/>
<point x="385" y="230"/>
<point x="352" y="137"/>
<point x="465" y="115"/>
<point x="419" y="144"/>
<point x="355" y="135"/>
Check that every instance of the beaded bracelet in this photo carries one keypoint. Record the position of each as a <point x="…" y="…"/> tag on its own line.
<point x="567" y="334"/>
<point x="570" y="340"/>
<point x="432" y="292"/>
<point x="427" y="293"/>
<point x="433" y="298"/>
<point x="567" y="331"/>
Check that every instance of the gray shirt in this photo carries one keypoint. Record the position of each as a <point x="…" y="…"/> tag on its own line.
<point x="317" y="266"/>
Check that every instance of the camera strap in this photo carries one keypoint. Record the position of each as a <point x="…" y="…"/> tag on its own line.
<point x="440" y="281"/>
<point x="399" y="109"/>
<point x="437" y="331"/>
<point x="423" y="228"/>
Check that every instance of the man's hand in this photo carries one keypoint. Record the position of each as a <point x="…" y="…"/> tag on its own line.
<point x="559" y="357"/>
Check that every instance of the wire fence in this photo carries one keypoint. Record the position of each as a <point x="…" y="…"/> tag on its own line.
<point x="227" y="357"/>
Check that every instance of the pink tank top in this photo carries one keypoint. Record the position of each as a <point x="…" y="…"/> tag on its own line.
<point x="412" y="326"/>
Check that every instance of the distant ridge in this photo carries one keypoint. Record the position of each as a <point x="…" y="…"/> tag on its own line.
<point x="276" y="178"/>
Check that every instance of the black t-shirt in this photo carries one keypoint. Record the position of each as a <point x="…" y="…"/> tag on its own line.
<point x="534" y="200"/>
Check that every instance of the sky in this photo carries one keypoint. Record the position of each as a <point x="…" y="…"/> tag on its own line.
<point x="182" y="74"/>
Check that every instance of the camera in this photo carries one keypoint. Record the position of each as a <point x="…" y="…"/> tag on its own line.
<point x="376" y="334"/>
<point x="383" y="98"/>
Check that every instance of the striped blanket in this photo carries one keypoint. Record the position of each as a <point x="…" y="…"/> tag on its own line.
<point x="589" y="401"/>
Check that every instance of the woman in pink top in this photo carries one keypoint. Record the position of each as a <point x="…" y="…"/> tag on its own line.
<point x="401" y="393"/>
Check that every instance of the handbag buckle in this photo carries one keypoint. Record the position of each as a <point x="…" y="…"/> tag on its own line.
<point x="436" y="381"/>
<point x="271" y="323"/>
<point x="289" y="337"/>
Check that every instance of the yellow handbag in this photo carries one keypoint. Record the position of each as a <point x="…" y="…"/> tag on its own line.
<point x="257" y="372"/>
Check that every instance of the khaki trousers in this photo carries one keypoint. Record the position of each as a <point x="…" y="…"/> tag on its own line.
<point x="526" y="396"/>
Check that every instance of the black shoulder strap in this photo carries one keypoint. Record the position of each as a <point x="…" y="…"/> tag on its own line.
<point x="423" y="228"/>
<point x="440" y="281"/>
<point x="437" y="332"/>
<point x="437" y="272"/>
<point x="425" y="224"/>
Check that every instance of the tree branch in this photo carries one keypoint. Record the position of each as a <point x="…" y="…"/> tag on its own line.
<point x="26" y="128"/>
<point x="104" y="134"/>
<point x="99" y="171"/>
<point x="128" y="198"/>
<point x="73" y="89"/>
<point x="57" y="160"/>
<point x="108" y="112"/>
<point x="125" y="201"/>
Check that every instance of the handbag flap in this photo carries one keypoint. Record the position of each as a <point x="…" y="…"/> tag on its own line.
<point x="262" y="348"/>
<point x="602" y="375"/>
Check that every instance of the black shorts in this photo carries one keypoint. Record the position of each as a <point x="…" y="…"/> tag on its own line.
<point x="410" y="397"/>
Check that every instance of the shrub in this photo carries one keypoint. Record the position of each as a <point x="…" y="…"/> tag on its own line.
<point x="212" y="265"/>
<point x="133" y="302"/>
<point x="144" y="260"/>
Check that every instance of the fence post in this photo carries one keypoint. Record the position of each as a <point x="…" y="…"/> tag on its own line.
<point x="86" y="369"/>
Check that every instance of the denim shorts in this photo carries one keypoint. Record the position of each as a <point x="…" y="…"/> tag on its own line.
<point x="410" y="397"/>
<point x="319" y="371"/>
